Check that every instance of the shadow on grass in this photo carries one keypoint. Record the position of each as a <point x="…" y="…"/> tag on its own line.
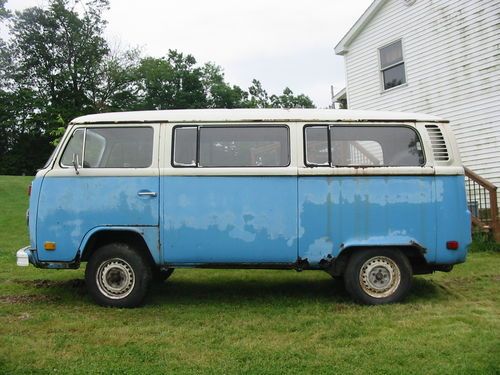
<point x="225" y="290"/>
<point x="251" y="291"/>
<point x="427" y="290"/>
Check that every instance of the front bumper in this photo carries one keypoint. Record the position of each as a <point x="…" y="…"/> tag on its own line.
<point x="27" y="256"/>
<point x="23" y="256"/>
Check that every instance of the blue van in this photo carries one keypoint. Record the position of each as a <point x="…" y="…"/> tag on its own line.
<point x="370" y="197"/>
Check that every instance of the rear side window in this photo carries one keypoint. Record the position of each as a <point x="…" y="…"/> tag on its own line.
<point x="227" y="146"/>
<point x="110" y="148"/>
<point x="366" y="146"/>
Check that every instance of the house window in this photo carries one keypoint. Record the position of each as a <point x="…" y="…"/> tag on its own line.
<point x="392" y="65"/>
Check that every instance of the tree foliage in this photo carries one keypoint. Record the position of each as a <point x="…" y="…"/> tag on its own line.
<point x="56" y="66"/>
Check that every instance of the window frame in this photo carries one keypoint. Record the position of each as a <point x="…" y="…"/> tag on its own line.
<point x="230" y="126"/>
<point x="330" y="126"/>
<point x="383" y="69"/>
<point x="85" y="128"/>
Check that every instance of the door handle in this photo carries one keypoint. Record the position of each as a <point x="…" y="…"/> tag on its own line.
<point x="147" y="194"/>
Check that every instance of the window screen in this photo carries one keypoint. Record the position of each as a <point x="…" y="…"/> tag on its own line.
<point x="228" y="146"/>
<point x="367" y="146"/>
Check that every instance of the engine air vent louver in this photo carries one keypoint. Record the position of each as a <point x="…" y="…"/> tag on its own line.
<point x="439" y="148"/>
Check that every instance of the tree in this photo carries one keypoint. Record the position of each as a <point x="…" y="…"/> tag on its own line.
<point x="58" y="54"/>
<point x="260" y="99"/>
<point x="4" y="13"/>
<point x="219" y="94"/>
<point x="288" y="100"/>
<point x="172" y="82"/>
<point x="258" y="96"/>
<point x="117" y="89"/>
<point x="49" y="74"/>
<point x="56" y="66"/>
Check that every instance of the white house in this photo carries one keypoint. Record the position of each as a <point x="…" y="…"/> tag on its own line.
<point x="439" y="57"/>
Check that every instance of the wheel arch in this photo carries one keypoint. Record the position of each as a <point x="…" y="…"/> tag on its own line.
<point x="413" y="251"/>
<point x="103" y="236"/>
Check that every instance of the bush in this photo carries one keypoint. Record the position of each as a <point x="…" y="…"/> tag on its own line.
<point x="483" y="242"/>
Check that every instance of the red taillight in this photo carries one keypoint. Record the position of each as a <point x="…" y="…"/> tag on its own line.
<point x="29" y="190"/>
<point x="452" y="245"/>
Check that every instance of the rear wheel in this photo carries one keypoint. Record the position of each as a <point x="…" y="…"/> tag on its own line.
<point x="118" y="276"/>
<point x="378" y="276"/>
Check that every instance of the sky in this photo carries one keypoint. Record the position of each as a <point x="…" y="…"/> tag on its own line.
<point x="280" y="43"/>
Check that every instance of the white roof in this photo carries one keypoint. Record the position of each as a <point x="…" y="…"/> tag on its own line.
<point x="251" y="115"/>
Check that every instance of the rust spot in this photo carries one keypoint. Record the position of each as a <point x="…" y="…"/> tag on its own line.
<point x="422" y="249"/>
<point x="302" y="264"/>
<point x="326" y="262"/>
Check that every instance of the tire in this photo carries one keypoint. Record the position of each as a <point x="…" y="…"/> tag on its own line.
<point x="378" y="276"/>
<point x="159" y="275"/>
<point x="118" y="276"/>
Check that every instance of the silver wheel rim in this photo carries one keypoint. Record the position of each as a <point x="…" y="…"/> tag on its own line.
<point x="379" y="277"/>
<point x="115" y="278"/>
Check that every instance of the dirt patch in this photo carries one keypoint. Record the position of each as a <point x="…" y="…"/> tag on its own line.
<point x="16" y="299"/>
<point x="73" y="283"/>
<point x="24" y="316"/>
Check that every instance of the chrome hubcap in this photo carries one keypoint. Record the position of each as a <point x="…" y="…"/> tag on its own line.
<point x="379" y="277"/>
<point x="115" y="278"/>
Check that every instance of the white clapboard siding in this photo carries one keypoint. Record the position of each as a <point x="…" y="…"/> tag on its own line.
<point x="452" y="59"/>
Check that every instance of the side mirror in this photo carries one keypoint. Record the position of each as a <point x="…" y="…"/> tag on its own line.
<point x="75" y="163"/>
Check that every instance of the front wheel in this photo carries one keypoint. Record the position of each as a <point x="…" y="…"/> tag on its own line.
<point x="378" y="276"/>
<point x="118" y="276"/>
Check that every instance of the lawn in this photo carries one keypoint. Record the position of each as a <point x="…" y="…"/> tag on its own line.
<point x="242" y="321"/>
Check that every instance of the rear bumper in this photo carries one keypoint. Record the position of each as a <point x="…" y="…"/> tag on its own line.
<point x="27" y="256"/>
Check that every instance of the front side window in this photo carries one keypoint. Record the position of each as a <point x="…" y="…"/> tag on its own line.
<point x="74" y="148"/>
<point x="365" y="146"/>
<point x="110" y="148"/>
<point x="213" y="146"/>
<point x="392" y="65"/>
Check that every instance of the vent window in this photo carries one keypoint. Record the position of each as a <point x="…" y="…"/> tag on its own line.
<point x="439" y="148"/>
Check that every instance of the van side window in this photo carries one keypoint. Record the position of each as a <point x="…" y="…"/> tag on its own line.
<point x="73" y="149"/>
<point x="114" y="148"/>
<point x="185" y="139"/>
<point x="227" y="146"/>
<point x="317" y="145"/>
<point x="367" y="146"/>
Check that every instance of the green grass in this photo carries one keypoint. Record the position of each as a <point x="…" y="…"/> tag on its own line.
<point x="244" y="321"/>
